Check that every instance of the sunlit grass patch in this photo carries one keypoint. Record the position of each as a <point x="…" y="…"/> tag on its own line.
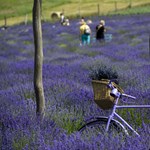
<point x="63" y="34"/>
<point x="20" y="142"/>
<point x="87" y="52"/>
<point x="135" y="41"/>
<point x="27" y="42"/>
<point x="62" y="45"/>
<point x="122" y="31"/>
<point x="11" y="42"/>
<point x="136" y="117"/>
<point x="70" y="121"/>
<point x="145" y="55"/>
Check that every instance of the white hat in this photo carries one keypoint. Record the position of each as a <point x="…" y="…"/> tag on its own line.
<point x="102" y="22"/>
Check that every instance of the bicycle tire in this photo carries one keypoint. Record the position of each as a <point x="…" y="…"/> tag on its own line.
<point x="97" y="127"/>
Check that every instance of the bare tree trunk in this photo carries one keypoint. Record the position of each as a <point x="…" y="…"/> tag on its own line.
<point x="38" y="59"/>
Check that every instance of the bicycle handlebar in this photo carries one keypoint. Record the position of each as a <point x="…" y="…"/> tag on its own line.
<point x="126" y="95"/>
<point x="116" y="93"/>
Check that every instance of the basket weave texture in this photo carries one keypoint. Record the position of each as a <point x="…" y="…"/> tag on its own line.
<point x="102" y="95"/>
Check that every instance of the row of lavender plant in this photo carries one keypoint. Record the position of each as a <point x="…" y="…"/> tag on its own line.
<point x="67" y="86"/>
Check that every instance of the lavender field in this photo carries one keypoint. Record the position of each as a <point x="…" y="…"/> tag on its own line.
<point x="67" y="86"/>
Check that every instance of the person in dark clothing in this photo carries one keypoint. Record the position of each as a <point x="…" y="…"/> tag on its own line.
<point x="62" y="18"/>
<point x="100" y="30"/>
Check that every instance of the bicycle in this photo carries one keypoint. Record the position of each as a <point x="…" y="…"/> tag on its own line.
<point x="108" y="124"/>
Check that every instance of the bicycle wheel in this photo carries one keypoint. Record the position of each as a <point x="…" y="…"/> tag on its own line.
<point x="98" y="127"/>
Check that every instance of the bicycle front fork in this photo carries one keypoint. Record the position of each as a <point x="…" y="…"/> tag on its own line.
<point x="112" y="114"/>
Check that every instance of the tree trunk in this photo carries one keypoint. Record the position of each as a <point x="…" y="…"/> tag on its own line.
<point x="38" y="59"/>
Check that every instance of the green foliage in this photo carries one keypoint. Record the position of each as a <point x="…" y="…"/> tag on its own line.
<point x="122" y="31"/>
<point x="27" y="42"/>
<point x="19" y="9"/>
<point x="136" y="41"/>
<point x="134" y="10"/>
<point x="62" y="45"/>
<point x="20" y="143"/>
<point x="69" y="121"/>
<point x="84" y="52"/>
<point x="29" y="95"/>
<point x="72" y="125"/>
<point x="134" y="116"/>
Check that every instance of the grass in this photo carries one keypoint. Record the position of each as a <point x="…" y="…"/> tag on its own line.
<point x="19" y="11"/>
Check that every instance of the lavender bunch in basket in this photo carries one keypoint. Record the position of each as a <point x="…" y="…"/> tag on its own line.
<point x="102" y="71"/>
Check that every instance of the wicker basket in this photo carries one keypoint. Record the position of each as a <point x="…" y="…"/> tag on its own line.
<point x="102" y="95"/>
